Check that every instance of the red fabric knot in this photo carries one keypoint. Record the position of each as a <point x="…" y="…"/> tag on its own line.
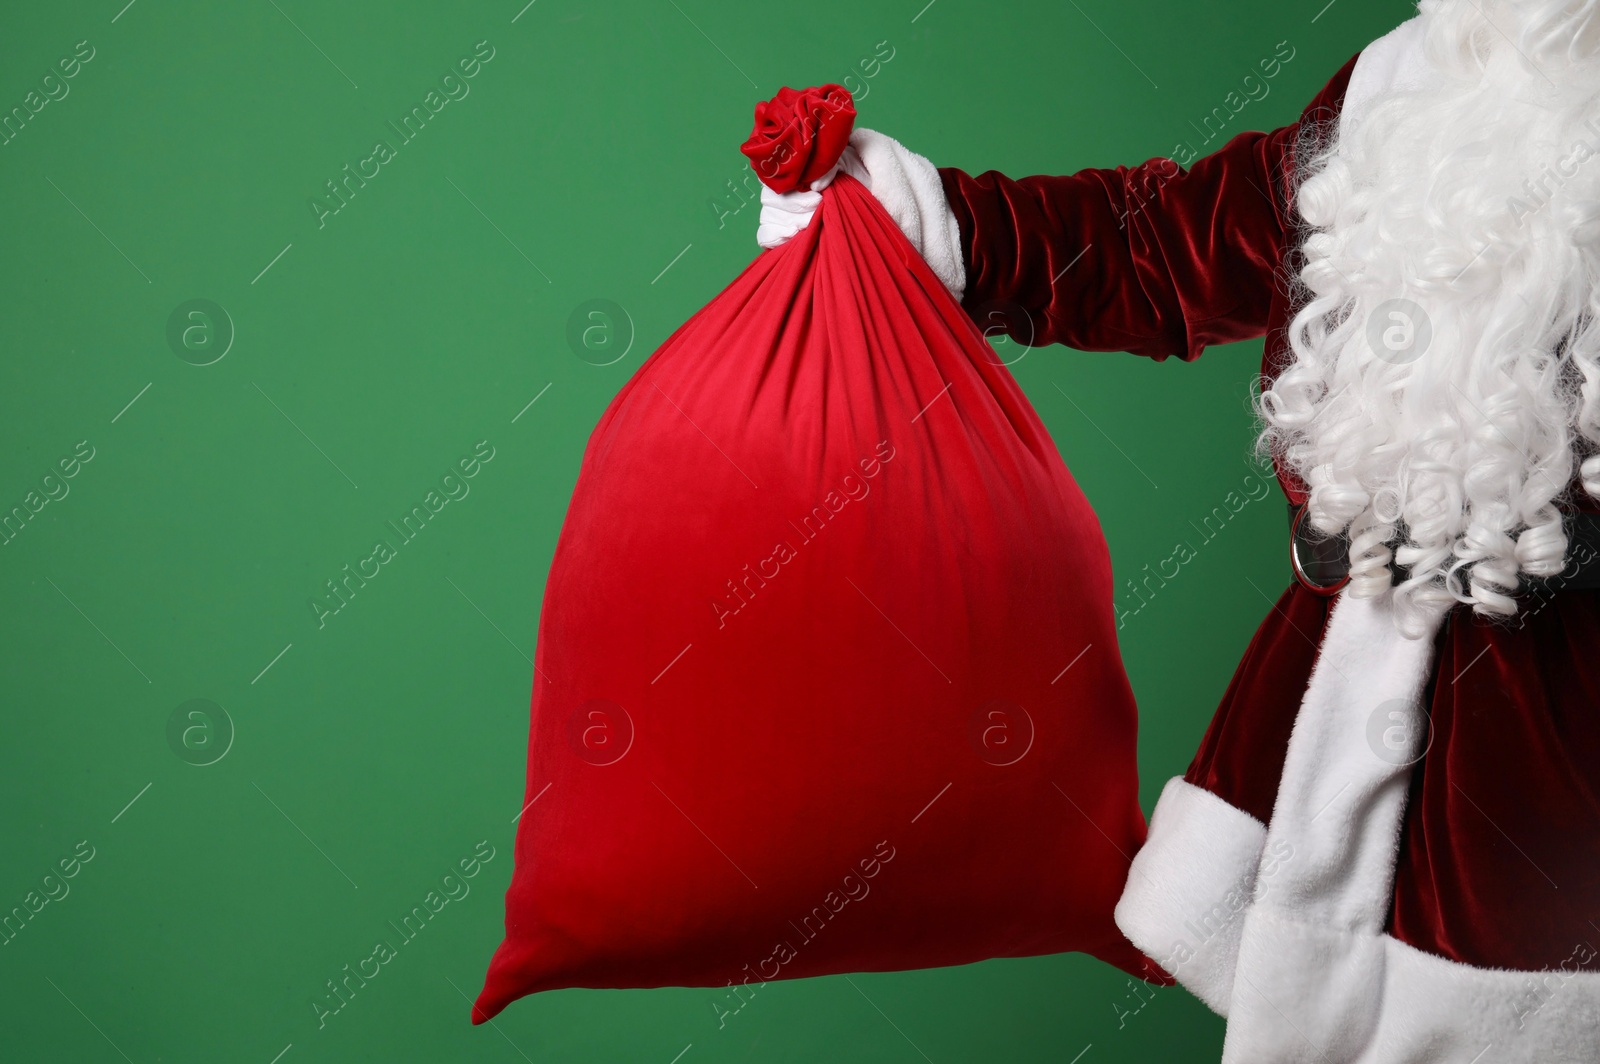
<point x="799" y="135"/>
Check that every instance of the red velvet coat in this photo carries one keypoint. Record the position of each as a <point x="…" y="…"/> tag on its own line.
<point x="1499" y="863"/>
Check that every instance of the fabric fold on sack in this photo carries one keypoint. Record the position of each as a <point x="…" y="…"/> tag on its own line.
<point x="801" y="703"/>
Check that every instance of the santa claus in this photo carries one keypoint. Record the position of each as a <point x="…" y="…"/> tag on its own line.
<point x="1387" y="847"/>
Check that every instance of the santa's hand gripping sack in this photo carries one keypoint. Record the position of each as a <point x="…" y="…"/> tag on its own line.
<point x="1387" y="847"/>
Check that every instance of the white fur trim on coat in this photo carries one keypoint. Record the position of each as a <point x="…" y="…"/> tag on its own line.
<point x="1414" y="1007"/>
<point x="1188" y="888"/>
<point x="1310" y="979"/>
<point x="1282" y="929"/>
<point x="1390" y="63"/>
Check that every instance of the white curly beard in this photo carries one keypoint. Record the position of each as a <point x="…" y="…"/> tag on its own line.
<point x="1445" y="378"/>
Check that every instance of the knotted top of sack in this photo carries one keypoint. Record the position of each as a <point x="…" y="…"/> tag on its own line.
<point x="799" y="136"/>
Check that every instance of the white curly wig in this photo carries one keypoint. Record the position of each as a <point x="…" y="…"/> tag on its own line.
<point x="1445" y="373"/>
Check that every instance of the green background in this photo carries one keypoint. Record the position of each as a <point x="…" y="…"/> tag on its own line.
<point x="370" y="754"/>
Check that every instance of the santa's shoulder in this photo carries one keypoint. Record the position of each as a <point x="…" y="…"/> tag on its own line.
<point x="1393" y="62"/>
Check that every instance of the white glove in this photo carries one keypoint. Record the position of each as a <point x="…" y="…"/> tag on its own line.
<point x="906" y="184"/>
<point x="783" y="215"/>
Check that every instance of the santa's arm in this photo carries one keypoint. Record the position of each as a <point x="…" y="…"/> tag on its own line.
<point x="1150" y="259"/>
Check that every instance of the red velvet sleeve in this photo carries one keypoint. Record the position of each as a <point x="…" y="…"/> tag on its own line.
<point x="1151" y="259"/>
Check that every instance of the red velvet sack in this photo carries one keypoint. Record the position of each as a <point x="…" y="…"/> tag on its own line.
<point x="827" y="674"/>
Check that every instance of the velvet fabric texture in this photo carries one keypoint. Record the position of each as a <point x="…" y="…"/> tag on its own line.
<point x="1497" y="864"/>
<point x="827" y="674"/>
<point x="1150" y="259"/>
<point x="799" y="136"/>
